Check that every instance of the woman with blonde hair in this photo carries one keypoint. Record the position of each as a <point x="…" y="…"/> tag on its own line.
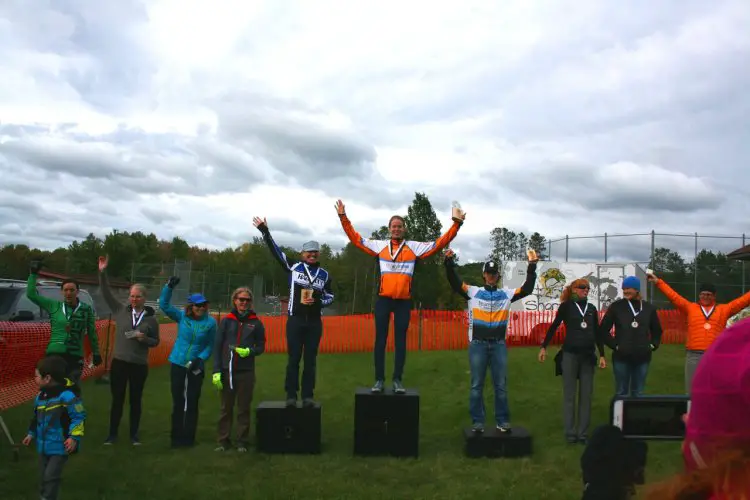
<point x="716" y="448"/>
<point x="579" y="358"/>
<point x="241" y="337"/>
<point x="136" y="332"/>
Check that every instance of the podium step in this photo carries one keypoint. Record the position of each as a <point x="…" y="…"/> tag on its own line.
<point x="386" y="424"/>
<point x="495" y="444"/>
<point x="295" y="430"/>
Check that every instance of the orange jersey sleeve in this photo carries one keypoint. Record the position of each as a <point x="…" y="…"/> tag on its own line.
<point x="369" y="246"/>
<point x="425" y="250"/>
<point x="675" y="298"/>
<point x="739" y="304"/>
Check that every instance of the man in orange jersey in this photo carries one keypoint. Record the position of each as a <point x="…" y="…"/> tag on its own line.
<point x="705" y="320"/>
<point x="397" y="258"/>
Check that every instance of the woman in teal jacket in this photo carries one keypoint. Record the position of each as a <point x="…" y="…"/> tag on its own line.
<point x="196" y="330"/>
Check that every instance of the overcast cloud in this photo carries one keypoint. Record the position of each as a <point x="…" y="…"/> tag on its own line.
<point x="571" y="117"/>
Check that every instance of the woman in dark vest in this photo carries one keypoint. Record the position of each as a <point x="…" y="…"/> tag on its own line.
<point x="579" y="358"/>
<point x="637" y="334"/>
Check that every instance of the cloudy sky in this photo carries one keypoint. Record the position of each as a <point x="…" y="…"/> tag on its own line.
<point x="189" y="117"/>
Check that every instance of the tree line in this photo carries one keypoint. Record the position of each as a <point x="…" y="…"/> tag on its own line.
<point x="355" y="274"/>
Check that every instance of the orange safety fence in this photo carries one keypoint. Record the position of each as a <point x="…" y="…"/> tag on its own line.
<point x="23" y="344"/>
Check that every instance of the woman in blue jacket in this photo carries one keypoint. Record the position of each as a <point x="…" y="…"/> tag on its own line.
<point x="196" y="330"/>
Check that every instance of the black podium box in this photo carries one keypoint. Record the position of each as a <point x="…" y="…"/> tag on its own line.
<point x="279" y="429"/>
<point x="495" y="444"/>
<point x="386" y="424"/>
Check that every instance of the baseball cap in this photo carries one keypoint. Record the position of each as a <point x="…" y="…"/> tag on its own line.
<point x="490" y="267"/>
<point x="311" y="246"/>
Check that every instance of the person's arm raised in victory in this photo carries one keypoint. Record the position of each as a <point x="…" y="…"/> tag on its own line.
<point x="675" y="298"/>
<point x="457" y="285"/>
<point x="276" y="250"/>
<point x="165" y="300"/>
<point x="115" y="306"/>
<point x="367" y="245"/>
<point x="739" y="304"/>
<point x="33" y="294"/>
<point x="424" y="250"/>
<point x="528" y="285"/>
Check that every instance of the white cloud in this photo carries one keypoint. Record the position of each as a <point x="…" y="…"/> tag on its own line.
<point x="188" y="118"/>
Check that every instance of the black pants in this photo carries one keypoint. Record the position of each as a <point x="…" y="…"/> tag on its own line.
<point x="73" y="371"/>
<point x="302" y="339"/>
<point x="186" y="392"/>
<point x="123" y="373"/>
<point x="401" y="309"/>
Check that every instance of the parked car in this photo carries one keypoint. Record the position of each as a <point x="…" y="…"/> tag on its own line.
<point x="15" y="306"/>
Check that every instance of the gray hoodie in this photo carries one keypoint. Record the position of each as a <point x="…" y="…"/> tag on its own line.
<point x="127" y="349"/>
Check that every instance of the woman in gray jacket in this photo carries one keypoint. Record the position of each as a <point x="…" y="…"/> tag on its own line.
<point x="137" y="330"/>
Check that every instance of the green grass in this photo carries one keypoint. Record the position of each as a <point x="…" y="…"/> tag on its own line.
<point x="153" y="471"/>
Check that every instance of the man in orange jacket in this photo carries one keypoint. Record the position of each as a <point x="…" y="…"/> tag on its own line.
<point x="705" y="320"/>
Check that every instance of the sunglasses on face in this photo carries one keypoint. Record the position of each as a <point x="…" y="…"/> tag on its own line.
<point x="582" y="287"/>
<point x="243" y="299"/>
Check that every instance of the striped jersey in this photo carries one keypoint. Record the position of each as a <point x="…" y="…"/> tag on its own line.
<point x="397" y="260"/>
<point x="302" y="276"/>
<point x="489" y="306"/>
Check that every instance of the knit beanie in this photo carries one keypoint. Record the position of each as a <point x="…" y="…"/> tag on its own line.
<point x="720" y="397"/>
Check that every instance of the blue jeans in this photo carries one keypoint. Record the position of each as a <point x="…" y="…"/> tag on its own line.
<point x="630" y="378"/>
<point x="492" y="353"/>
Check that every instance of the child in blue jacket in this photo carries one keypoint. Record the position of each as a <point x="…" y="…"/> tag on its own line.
<point x="57" y="424"/>
<point x="196" y="331"/>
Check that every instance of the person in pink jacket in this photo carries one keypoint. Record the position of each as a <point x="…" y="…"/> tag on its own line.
<point x="716" y="448"/>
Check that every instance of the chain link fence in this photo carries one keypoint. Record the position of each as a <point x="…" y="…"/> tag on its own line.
<point x="684" y="260"/>
<point x="216" y="287"/>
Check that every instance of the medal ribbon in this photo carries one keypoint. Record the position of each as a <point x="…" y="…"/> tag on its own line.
<point x="137" y="319"/>
<point x="710" y="312"/>
<point x="583" y="313"/>
<point x="633" y="309"/>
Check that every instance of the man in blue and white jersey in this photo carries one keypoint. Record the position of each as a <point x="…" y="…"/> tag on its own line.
<point x="309" y="292"/>
<point x="489" y="310"/>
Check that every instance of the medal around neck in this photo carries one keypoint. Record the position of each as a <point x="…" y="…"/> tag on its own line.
<point x="584" y="324"/>
<point x="707" y="326"/>
<point x="634" y="324"/>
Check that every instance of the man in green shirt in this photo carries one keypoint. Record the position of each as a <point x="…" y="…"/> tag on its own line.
<point x="69" y="320"/>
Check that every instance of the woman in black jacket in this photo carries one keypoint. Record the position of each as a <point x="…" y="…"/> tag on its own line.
<point x="637" y="334"/>
<point x="581" y="321"/>
<point x="240" y="338"/>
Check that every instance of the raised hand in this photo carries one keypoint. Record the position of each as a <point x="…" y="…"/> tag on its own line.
<point x="173" y="281"/>
<point x="103" y="263"/>
<point x="35" y="266"/>
<point x="340" y="207"/>
<point x="257" y="222"/>
<point x="532" y="255"/>
<point x="449" y="254"/>
<point x="650" y="276"/>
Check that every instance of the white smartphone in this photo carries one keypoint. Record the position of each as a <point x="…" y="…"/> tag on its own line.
<point x="650" y="271"/>
<point x="651" y="417"/>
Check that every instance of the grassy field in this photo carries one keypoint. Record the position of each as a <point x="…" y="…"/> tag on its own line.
<point x="153" y="471"/>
